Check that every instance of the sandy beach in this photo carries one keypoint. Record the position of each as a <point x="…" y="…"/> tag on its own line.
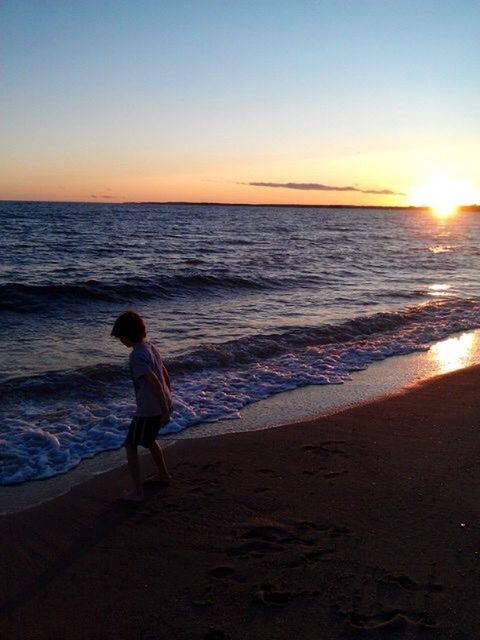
<point x="363" y="523"/>
<point x="250" y="231"/>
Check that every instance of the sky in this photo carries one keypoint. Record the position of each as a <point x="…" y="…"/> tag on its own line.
<point x="299" y="101"/>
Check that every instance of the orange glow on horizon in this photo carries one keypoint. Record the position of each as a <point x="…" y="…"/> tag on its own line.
<point x="144" y="178"/>
<point x="182" y="189"/>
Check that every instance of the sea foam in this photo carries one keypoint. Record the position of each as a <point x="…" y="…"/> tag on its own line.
<point x="50" y="432"/>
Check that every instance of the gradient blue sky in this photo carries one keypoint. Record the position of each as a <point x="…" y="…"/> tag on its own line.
<point x="173" y="100"/>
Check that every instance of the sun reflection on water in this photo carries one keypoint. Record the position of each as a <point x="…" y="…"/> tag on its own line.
<point x="454" y="353"/>
<point x="438" y="290"/>
<point x="440" y="249"/>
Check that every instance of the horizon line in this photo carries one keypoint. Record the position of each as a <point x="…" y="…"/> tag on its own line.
<point x="473" y="206"/>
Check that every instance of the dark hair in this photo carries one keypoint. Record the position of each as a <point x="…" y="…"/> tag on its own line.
<point x="129" y="325"/>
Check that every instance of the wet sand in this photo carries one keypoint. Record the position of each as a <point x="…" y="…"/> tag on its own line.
<point x="363" y="523"/>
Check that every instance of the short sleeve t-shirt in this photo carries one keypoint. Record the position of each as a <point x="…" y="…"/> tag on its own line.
<point x="144" y="358"/>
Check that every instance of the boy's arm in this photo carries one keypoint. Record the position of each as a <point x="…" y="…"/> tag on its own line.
<point x="153" y="380"/>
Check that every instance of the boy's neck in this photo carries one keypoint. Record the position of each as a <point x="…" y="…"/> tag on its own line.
<point x="139" y="344"/>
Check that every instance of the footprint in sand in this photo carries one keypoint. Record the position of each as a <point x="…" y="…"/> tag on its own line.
<point x="394" y="619"/>
<point x="222" y="571"/>
<point x="269" y="595"/>
<point x="255" y="549"/>
<point x="325" y="448"/>
<point x="410" y="585"/>
<point x="407" y="606"/>
<point x="262" y="540"/>
<point x="269" y="533"/>
<point x="203" y="486"/>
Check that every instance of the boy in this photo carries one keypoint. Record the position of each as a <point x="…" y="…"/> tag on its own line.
<point x="154" y="400"/>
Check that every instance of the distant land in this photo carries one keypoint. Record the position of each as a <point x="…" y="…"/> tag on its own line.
<point x="469" y="207"/>
<point x="284" y="206"/>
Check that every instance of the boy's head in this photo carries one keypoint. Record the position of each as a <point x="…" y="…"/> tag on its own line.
<point x="129" y="328"/>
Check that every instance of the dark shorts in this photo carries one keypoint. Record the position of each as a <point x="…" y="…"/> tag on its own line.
<point x="143" y="431"/>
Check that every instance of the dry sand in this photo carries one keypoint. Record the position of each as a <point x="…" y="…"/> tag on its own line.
<point x="360" y="524"/>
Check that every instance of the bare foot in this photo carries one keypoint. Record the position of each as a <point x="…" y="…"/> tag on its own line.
<point x="132" y="496"/>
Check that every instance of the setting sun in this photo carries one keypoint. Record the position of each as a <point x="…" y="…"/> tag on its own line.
<point x="444" y="195"/>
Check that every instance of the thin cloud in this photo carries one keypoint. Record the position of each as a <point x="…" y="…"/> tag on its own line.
<point x="100" y="196"/>
<point x="316" y="186"/>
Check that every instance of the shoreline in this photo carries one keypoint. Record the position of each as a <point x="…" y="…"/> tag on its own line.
<point x="362" y="521"/>
<point x="381" y="379"/>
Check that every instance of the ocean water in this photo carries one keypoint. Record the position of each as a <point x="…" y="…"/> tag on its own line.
<point x="244" y="303"/>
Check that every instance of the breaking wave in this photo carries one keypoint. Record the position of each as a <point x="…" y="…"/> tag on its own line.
<point x="62" y="417"/>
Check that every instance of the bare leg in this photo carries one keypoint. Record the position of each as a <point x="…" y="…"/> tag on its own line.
<point x="162" y="474"/>
<point x="135" y="473"/>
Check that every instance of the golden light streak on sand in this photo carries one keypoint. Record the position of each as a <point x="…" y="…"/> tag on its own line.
<point x="454" y="353"/>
